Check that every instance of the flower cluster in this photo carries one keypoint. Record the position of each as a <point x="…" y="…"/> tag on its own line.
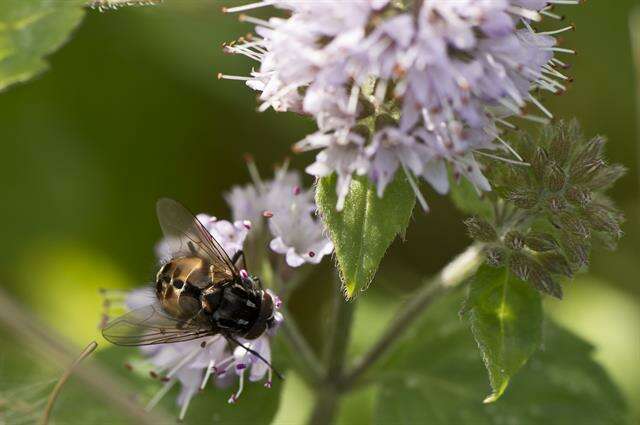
<point x="289" y="211"/>
<point x="402" y="84"/>
<point x="555" y="207"/>
<point x="194" y="363"/>
<point x="278" y="207"/>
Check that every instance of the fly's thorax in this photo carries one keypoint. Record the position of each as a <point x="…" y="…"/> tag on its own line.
<point x="265" y="316"/>
<point x="179" y="285"/>
<point x="234" y="307"/>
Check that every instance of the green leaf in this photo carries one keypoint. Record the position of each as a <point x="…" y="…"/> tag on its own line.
<point x="436" y="376"/>
<point x="465" y="197"/>
<point x="30" y="30"/>
<point x="506" y="320"/>
<point x="365" y="228"/>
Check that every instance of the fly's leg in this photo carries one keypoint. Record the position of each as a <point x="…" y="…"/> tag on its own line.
<point x="237" y="256"/>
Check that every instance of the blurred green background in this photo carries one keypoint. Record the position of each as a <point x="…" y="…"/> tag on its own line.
<point x="131" y="110"/>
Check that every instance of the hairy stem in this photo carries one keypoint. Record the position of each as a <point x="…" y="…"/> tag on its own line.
<point x="337" y="343"/>
<point x="311" y="368"/>
<point x="328" y="393"/>
<point x="454" y="274"/>
<point x="63" y="379"/>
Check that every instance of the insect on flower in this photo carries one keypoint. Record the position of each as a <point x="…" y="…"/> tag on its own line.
<point x="199" y="292"/>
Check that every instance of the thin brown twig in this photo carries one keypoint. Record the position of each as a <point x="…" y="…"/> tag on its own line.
<point x="63" y="379"/>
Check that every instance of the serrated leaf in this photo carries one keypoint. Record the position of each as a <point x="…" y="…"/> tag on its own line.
<point x="364" y="229"/>
<point x="505" y="314"/>
<point x="436" y="377"/>
<point x="466" y="198"/>
<point x="29" y="31"/>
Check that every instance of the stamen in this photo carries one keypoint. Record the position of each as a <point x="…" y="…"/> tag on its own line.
<point x="500" y="158"/>
<point x="254" y="21"/>
<point x="207" y="375"/>
<point x="186" y="359"/>
<point x="183" y="410"/>
<point x="234" y="397"/>
<point x="249" y="6"/>
<point x="525" y="13"/>
<point x="222" y="76"/>
<point x="541" y="106"/>
<point x="161" y="393"/>
<point x="416" y="189"/>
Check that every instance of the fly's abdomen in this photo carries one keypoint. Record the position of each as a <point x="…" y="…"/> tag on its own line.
<point x="179" y="286"/>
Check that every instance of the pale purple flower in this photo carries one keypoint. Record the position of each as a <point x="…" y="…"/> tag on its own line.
<point x="193" y="364"/>
<point x="289" y="211"/>
<point x="447" y="73"/>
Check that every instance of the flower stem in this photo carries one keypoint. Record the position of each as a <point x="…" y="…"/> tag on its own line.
<point x="328" y="394"/>
<point x="311" y="368"/>
<point x="338" y="341"/>
<point x="325" y="407"/>
<point x="63" y="379"/>
<point x="451" y="276"/>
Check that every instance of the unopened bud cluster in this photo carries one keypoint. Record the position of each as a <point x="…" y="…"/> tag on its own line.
<point x="553" y="210"/>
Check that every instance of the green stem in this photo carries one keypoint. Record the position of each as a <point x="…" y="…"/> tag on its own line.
<point x="453" y="275"/>
<point x="325" y="407"/>
<point x="338" y="341"/>
<point x="328" y="393"/>
<point x="310" y="367"/>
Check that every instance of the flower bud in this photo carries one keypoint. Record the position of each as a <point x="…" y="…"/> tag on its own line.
<point x="514" y="240"/>
<point x="570" y="222"/>
<point x="520" y="265"/>
<point x="559" y="148"/>
<point x="542" y="280"/>
<point x="480" y="229"/>
<point x="495" y="256"/>
<point x="554" y="178"/>
<point x="603" y="220"/>
<point x="578" y="196"/>
<point x="556" y="203"/>
<point x="539" y="162"/>
<point x="605" y="177"/>
<point x="540" y="242"/>
<point x="555" y="263"/>
<point x="576" y="250"/>
<point x="523" y="198"/>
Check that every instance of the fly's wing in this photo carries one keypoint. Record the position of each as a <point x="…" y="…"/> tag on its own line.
<point x="186" y="236"/>
<point x="149" y="325"/>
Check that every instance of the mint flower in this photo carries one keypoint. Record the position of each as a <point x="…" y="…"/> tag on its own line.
<point x="193" y="364"/>
<point x="288" y="211"/>
<point x="432" y="82"/>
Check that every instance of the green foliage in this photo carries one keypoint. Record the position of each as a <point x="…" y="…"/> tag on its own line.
<point x="365" y="228"/>
<point x="436" y="377"/>
<point x="30" y="30"/>
<point x="506" y="320"/>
